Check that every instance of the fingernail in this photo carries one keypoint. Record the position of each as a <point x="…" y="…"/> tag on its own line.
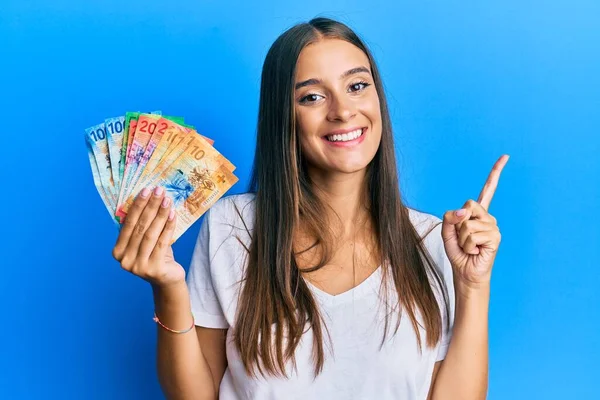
<point x="145" y="192"/>
<point x="171" y="215"/>
<point x="165" y="202"/>
<point x="158" y="191"/>
<point x="460" y="212"/>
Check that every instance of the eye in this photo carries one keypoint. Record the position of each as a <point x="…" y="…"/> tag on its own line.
<point x="313" y="97"/>
<point x="309" y="98"/>
<point x="359" y="86"/>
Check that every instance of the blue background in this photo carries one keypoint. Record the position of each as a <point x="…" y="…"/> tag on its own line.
<point x="466" y="81"/>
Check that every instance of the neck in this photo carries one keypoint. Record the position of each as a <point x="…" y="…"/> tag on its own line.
<point x="345" y="195"/>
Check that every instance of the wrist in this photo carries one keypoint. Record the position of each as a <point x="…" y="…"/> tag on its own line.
<point x="171" y="297"/>
<point x="169" y="289"/>
<point x="172" y="307"/>
<point x="471" y="304"/>
<point x="467" y="292"/>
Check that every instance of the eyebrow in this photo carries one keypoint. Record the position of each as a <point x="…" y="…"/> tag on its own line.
<point x="315" y="81"/>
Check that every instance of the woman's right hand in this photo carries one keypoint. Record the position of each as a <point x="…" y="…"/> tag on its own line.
<point x="144" y="243"/>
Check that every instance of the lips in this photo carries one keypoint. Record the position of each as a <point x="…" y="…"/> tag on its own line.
<point x="345" y="134"/>
<point x="348" y="137"/>
<point x="342" y="131"/>
<point x="345" y="137"/>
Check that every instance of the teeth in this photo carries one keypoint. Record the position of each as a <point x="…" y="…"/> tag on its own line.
<point x="345" y="137"/>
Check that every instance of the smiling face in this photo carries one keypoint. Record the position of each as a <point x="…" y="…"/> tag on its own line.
<point x="337" y="108"/>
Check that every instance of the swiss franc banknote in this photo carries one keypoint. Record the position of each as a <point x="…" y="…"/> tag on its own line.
<point x="136" y="150"/>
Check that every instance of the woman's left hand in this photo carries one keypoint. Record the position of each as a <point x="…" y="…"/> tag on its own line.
<point x="471" y="241"/>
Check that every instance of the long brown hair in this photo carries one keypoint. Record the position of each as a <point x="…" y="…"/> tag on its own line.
<point x="274" y="294"/>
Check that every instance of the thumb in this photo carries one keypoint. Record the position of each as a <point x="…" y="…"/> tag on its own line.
<point x="449" y="229"/>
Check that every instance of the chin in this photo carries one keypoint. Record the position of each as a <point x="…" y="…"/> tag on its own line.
<point x="342" y="164"/>
<point x="349" y="168"/>
<point x="350" y="163"/>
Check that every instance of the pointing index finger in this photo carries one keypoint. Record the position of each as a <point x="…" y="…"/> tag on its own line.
<point x="487" y="193"/>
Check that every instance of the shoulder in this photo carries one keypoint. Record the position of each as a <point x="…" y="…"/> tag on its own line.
<point x="429" y="228"/>
<point x="425" y="223"/>
<point x="218" y="260"/>
<point x="228" y="204"/>
<point x="236" y="209"/>
<point x="229" y="222"/>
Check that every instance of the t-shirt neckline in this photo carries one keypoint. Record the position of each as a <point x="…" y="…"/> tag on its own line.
<point x="354" y="293"/>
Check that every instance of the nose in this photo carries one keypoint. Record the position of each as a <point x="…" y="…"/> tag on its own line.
<point x="340" y="109"/>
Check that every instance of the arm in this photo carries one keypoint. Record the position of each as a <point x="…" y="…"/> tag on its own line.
<point x="436" y="369"/>
<point x="471" y="240"/>
<point x="212" y="342"/>
<point x="463" y="375"/>
<point x="185" y="370"/>
<point x="143" y="248"/>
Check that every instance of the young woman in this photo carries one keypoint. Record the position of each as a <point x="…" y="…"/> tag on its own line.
<point x="320" y="283"/>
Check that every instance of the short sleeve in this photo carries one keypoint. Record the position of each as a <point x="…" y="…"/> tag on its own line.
<point x="445" y="268"/>
<point x="206" y="308"/>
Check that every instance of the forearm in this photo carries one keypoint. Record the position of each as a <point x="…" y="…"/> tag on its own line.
<point x="182" y="369"/>
<point x="463" y="374"/>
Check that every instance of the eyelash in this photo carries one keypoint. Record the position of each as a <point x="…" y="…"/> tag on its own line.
<point x="365" y="84"/>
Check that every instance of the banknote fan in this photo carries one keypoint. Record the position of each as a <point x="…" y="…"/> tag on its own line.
<point x="146" y="150"/>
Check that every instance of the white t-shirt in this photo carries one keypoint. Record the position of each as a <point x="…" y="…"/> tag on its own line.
<point x="356" y="369"/>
